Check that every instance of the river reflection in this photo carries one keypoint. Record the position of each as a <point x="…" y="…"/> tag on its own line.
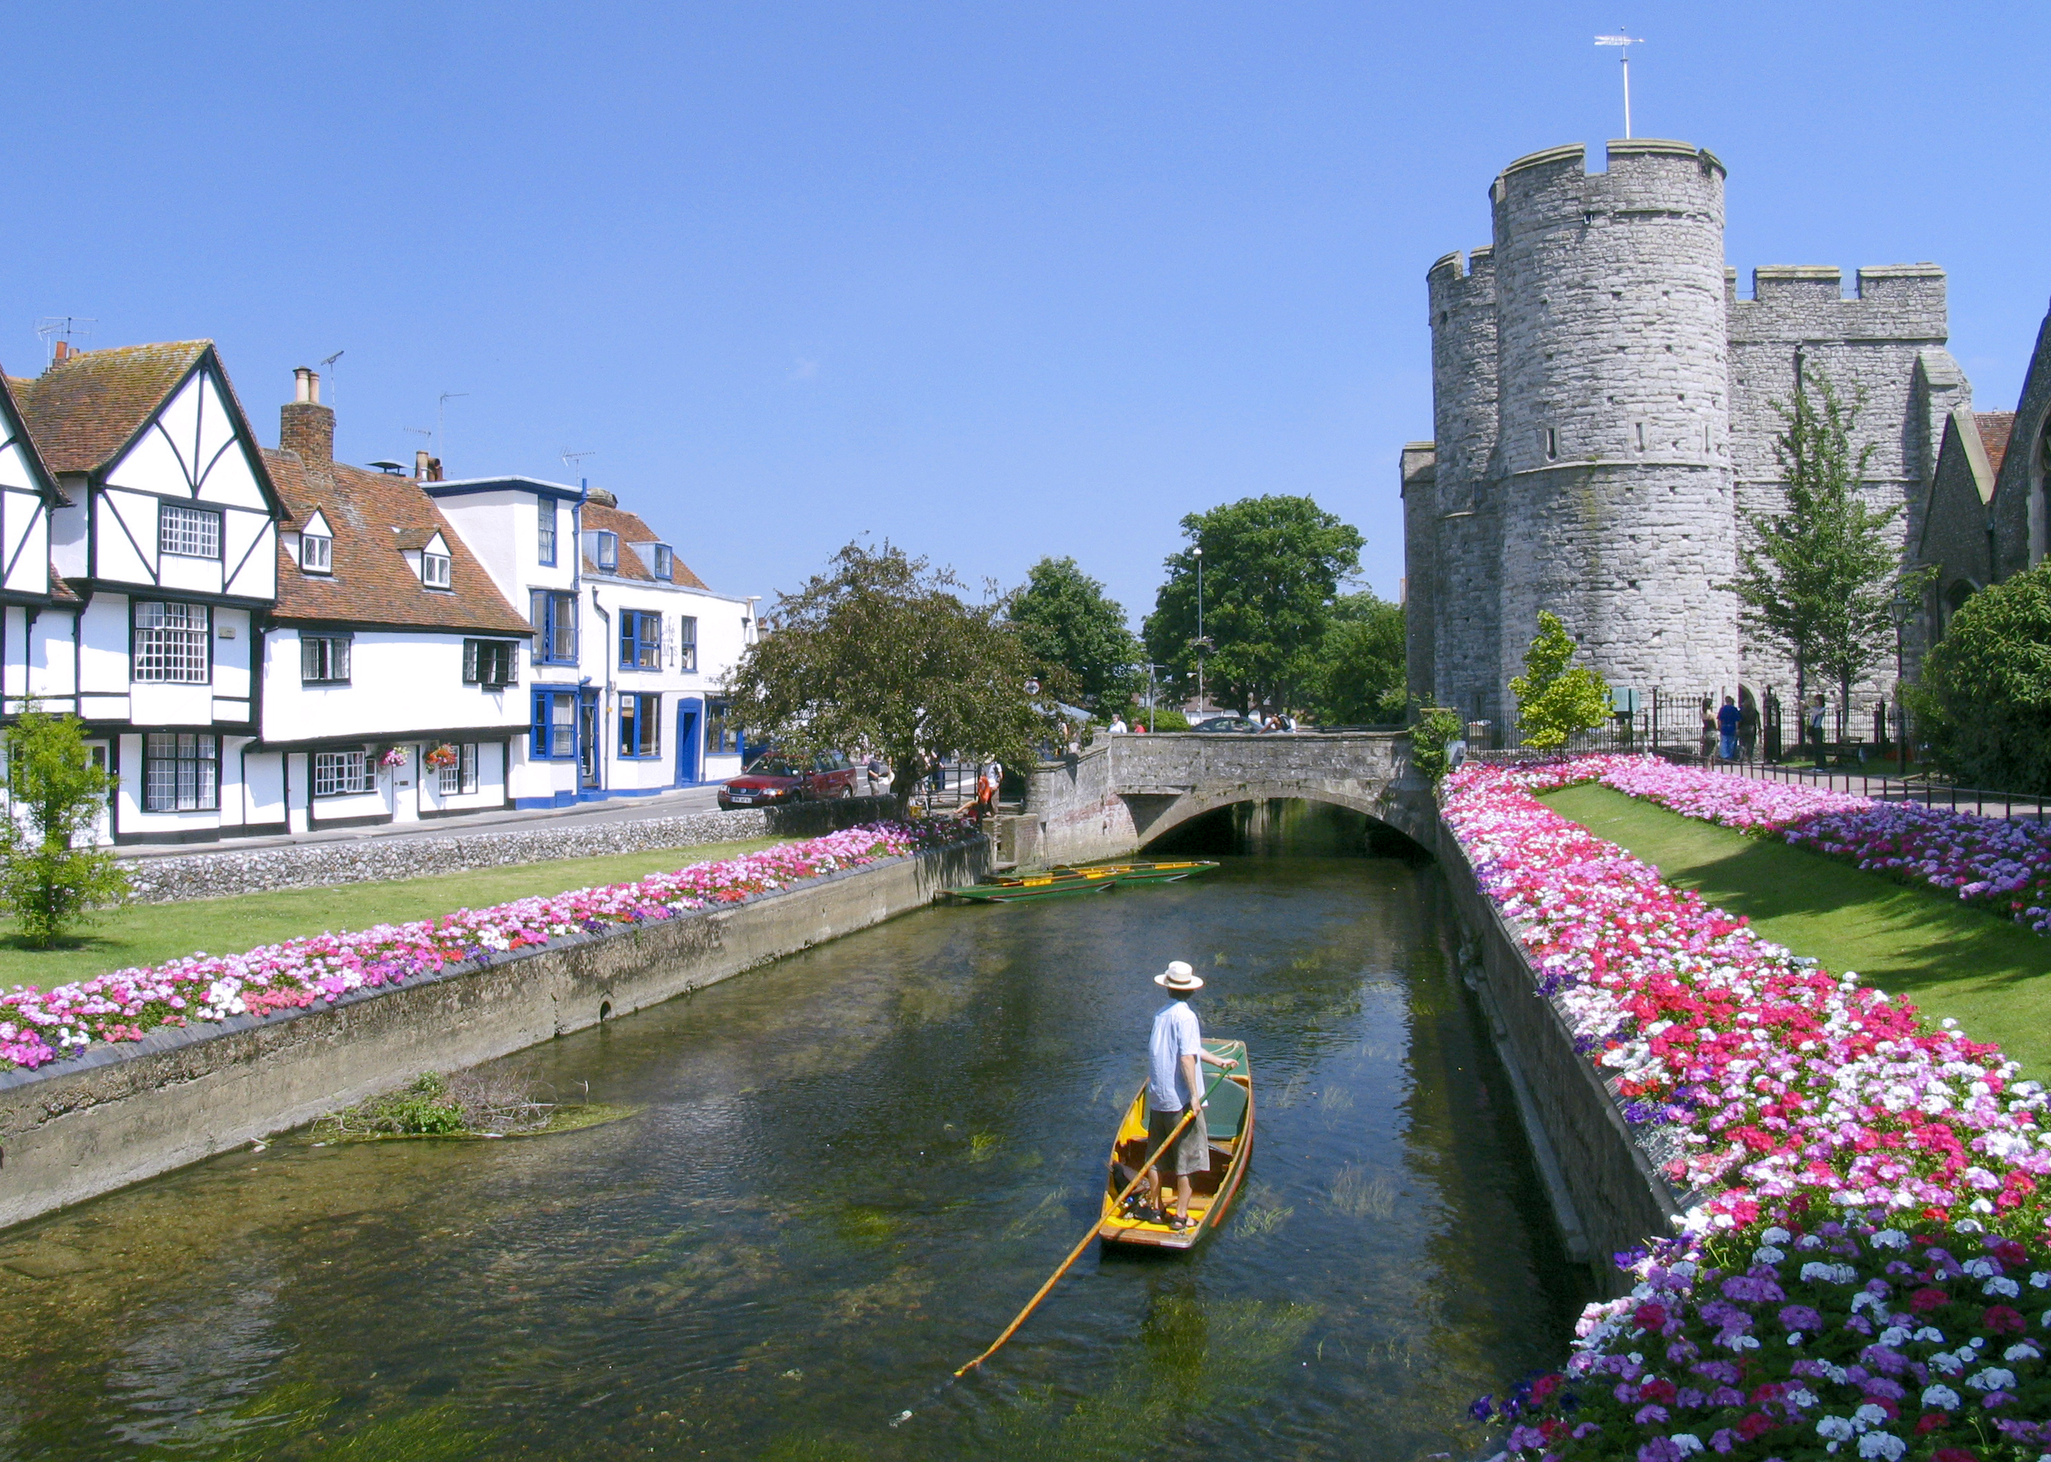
<point x="853" y="1166"/>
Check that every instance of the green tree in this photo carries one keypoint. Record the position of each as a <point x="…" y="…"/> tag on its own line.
<point x="1271" y="569"/>
<point x="1437" y="728"/>
<point x="1074" y="637"/>
<point x="47" y="880"/>
<point x="881" y="650"/>
<point x="1983" y="701"/>
<point x="1556" y="697"/>
<point x="1815" y="579"/>
<point x="1360" y="674"/>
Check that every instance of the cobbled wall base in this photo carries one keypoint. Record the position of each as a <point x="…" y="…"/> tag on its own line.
<point x="176" y="878"/>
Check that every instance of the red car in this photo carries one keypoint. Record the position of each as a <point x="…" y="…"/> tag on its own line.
<point x="774" y="777"/>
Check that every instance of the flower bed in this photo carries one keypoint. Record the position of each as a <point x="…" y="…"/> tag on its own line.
<point x="2002" y="865"/>
<point x="1865" y="1188"/>
<point x="40" y="1026"/>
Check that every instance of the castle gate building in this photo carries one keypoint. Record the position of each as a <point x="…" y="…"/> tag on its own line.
<point x="1603" y="413"/>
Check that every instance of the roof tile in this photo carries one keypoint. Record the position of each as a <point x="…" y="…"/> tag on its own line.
<point x="83" y="410"/>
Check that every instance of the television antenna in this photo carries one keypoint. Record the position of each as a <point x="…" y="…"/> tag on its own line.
<point x="571" y="459"/>
<point x="441" y="436"/>
<point x="328" y="367"/>
<point x="1625" y="42"/>
<point x="52" y="328"/>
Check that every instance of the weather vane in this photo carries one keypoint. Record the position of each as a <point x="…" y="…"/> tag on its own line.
<point x="1626" y="42"/>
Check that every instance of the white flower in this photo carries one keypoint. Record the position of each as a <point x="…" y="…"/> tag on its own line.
<point x="1929" y="1333"/>
<point x="1815" y="1272"/>
<point x="1686" y="1443"/>
<point x="1868" y="1415"/>
<point x="1775" y="1235"/>
<point x="2022" y="1350"/>
<point x="1767" y="1254"/>
<point x="1894" y="1335"/>
<point x="1994" y="1378"/>
<point x="1835" y="1428"/>
<point x="2041" y="1279"/>
<point x="1979" y="1268"/>
<point x="1881" y="1444"/>
<point x="1945" y="1363"/>
<point x="1888" y="1238"/>
<point x="1943" y="1398"/>
<point x="2003" y="1286"/>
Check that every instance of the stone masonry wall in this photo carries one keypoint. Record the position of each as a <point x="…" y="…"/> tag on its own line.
<point x="175" y="878"/>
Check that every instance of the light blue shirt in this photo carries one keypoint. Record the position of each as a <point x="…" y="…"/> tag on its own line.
<point x="1176" y="1035"/>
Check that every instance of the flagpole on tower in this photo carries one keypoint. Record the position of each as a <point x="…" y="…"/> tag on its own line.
<point x="1625" y="42"/>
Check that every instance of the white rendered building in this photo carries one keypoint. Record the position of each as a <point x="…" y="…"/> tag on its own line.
<point x="629" y="647"/>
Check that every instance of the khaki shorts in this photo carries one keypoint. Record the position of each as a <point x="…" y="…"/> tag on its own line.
<point x="1191" y="1152"/>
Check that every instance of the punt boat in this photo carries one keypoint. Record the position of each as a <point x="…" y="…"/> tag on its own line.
<point x="1230" y="1121"/>
<point x="1057" y="881"/>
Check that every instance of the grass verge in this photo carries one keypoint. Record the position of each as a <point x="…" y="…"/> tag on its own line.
<point x="147" y="934"/>
<point x="1992" y="975"/>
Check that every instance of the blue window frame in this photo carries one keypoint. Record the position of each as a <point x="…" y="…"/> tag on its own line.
<point x="640" y="727"/>
<point x="665" y="562"/>
<point x="555" y="627"/>
<point x="553" y="736"/>
<point x="640" y="639"/>
<point x="545" y="540"/>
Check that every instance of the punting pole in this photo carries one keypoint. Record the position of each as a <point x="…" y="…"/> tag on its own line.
<point x="1076" y="1253"/>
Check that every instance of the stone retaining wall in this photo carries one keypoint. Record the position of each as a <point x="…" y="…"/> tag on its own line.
<point x="1606" y="1188"/>
<point x="177" y="877"/>
<point x="119" y="1114"/>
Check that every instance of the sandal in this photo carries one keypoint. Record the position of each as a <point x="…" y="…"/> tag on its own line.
<point x="1179" y="1224"/>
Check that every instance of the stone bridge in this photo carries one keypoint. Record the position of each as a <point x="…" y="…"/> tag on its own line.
<point x="1126" y="791"/>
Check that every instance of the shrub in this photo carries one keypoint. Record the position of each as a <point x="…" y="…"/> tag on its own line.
<point x="1984" y="700"/>
<point x="47" y="881"/>
<point x="1436" y="729"/>
<point x="1164" y="719"/>
<point x="1555" y="697"/>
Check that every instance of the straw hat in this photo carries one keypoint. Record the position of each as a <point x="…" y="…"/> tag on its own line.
<point x="1178" y="976"/>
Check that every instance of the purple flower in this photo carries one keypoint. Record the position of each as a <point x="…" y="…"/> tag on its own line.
<point x="1800" y="1317"/>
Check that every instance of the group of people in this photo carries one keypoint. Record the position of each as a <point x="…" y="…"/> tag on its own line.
<point x="1729" y="729"/>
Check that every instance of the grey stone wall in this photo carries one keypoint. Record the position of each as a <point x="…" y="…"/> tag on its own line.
<point x="177" y="877"/>
<point x="120" y="1114"/>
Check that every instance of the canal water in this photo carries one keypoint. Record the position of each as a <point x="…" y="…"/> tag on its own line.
<point x="848" y="1172"/>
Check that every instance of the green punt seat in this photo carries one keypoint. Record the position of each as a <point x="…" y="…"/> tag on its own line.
<point x="1228" y="1098"/>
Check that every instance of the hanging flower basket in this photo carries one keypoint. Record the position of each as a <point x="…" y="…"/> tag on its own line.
<point x="395" y="758"/>
<point x="444" y="757"/>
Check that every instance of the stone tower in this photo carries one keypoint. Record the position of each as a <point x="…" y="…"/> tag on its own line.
<point x="1583" y="457"/>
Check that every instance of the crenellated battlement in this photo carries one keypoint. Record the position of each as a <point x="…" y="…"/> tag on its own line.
<point x="1642" y="174"/>
<point x="1807" y="302"/>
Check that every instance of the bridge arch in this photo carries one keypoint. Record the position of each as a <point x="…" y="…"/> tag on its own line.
<point x="1151" y="824"/>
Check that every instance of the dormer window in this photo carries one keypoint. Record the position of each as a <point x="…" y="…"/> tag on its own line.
<point x="608" y="554"/>
<point x="435" y="568"/>
<point x="316" y="547"/>
<point x="665" y="562"/>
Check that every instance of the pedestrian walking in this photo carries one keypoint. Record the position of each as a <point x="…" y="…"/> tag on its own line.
<point x="1708" y="729"/>
<point x="1727" y="729"/>
<point x="1817" y="716"/>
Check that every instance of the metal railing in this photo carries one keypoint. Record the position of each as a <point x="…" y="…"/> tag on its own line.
<point x="1880" y="788"/>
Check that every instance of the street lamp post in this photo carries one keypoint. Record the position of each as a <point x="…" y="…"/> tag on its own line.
<point x="1901" y="610"/>
<point x="1201" y="700"/>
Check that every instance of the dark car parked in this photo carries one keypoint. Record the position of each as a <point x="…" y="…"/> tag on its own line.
<point x="774" y="777"/>
<point x="1227" y="723"/>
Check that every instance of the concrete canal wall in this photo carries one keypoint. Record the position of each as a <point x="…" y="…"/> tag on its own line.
<point x="123" y="1113"/>
<point x="1606" y="1192"/>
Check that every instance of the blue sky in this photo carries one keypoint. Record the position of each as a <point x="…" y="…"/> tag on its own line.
<point x="991" y="280"/>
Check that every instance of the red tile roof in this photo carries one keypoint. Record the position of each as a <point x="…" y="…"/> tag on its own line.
<point x="598" y="518"/>
<point x="1995" y="429"/>
<point x="374" y="515"/>
<point x="83" y="410"/>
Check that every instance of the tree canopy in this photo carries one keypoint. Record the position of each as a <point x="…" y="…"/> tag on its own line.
<point x="1816" y="579"/>
<point x="1271" y="569"/>
<point x="1983" y="702"/>
<point x="1360" y="677"/>
<point x="51" y="874"/>
<point x="1556" y="697"/>
<point x="881" y="650"/>
<point x="1074" y="637"/>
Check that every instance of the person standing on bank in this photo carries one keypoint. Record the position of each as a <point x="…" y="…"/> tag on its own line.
<point x="1818" y="714"/>
<point x="1175" y="1058"/>
<point x="1727" y="729"/>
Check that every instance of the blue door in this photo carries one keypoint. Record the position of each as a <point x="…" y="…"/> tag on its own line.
<point x="687" y="741"/>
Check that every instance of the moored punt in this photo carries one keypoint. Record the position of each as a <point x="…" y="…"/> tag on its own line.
<point x="1053" y="883"/>
<point x="1056" y="881"/>
<point x="1230" y="1120"/>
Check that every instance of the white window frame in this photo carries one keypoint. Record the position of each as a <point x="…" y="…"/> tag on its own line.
<point x="316" y="553"/>
<point x="606" y="550"/>
<point x="436" y="570"/>
<point x="665" y="562"/>
<point x="171" y="648"/>
<point x="474" y="653"/>
<point x="343" y="773"/>
<point x="188" y="532"/>
<point x="461" y="779"/>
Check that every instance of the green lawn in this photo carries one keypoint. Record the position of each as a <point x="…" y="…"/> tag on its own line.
<point x="1994" y="976"/>
<point x="146" y="934"/>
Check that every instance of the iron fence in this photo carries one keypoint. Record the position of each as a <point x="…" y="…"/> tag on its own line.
<point x="1882" y="788"/>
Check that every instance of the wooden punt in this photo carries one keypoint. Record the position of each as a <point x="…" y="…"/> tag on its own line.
<point x="1051" y="884"/>
<point x="1058" y="881"/>
<point x="1230" y="1119"/>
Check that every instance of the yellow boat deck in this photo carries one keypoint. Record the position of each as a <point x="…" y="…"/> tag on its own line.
<point x="1229" y="1118"/>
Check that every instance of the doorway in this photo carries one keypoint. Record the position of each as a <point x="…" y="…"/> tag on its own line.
<point x="587" y="738"/>
<point x="687" y="742"/>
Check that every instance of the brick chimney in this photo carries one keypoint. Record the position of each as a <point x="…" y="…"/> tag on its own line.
<point x="304" y="425"/>
<point x="62" y="353"/>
